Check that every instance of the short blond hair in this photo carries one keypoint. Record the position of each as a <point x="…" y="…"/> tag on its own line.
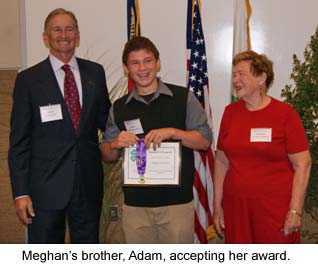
<point x="259" y="63"/>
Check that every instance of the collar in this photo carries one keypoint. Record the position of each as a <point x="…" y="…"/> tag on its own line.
<point x="161" y="89"/>
<point x="57" y="64"/>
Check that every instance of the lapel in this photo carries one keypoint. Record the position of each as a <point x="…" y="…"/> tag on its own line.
<point x="49" y="83"/>
<point x="88" y="87"/>
<point x="54" y="95"/>
<point x="51" y="89"/>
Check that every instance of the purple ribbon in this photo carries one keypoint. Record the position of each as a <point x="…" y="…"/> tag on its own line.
<point x="141" y="157"/>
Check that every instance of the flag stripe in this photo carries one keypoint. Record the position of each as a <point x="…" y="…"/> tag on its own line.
<point x="199" y="230"/>
<point x="198" y="83"/>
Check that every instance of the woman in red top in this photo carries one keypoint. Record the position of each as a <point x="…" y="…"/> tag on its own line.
<point x="262" y="164"/>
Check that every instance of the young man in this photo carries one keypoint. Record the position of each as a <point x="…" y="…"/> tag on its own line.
<point x="54" y="159"/>
<point x="156" y="214"/>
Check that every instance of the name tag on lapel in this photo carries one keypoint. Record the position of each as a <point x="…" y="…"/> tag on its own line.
<point x="51" y="113"/>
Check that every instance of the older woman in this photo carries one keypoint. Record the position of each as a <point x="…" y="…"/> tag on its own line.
<point x="262" y="164"/>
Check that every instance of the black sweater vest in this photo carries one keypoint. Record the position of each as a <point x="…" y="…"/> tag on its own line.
<point x="165" y="111"/>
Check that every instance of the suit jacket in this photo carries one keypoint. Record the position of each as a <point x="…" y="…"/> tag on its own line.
<point x="44" y="156"/>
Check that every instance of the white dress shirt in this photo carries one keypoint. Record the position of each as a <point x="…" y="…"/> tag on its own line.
<point x="60" y="74"/>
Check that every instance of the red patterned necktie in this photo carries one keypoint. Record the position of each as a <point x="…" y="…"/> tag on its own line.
<point x="71" y="97"/>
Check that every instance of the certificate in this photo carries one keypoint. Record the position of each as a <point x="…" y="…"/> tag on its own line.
<point x="163" y="166"/>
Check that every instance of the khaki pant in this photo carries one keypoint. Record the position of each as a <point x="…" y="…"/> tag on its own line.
<point x="172" y="224"/>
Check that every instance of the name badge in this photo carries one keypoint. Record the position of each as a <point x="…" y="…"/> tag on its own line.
<point x="261" y="135"/>
<point x="51" y="112"/>
<point x="134" y="126"/>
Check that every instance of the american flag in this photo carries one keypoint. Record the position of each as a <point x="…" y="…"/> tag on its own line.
<point x="198" y="83"/>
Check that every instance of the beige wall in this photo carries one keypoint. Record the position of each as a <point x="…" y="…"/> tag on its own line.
<point x="278" y="30"/>
<point x="103" y="34"/>
<point x="11" y="230"/>
<point x="9" y="35"/>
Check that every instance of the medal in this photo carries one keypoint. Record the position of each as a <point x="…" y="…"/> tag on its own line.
<point x="141" y="159"/>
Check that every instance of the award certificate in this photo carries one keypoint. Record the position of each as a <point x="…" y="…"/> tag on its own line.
<point x="162" y="167"/>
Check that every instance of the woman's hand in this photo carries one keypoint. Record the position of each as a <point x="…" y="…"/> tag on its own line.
<point x="292" y="223"/>
<point x="218" y="221"/>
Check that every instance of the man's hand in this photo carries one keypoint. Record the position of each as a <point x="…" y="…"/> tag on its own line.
<point x="124" y="139"/>
<point x="110" y="150"/>
<point x="156" y="136"/>
<point x="24" y="209"/>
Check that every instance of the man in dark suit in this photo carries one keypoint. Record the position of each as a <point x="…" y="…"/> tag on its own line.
<point x="54" y="158"/>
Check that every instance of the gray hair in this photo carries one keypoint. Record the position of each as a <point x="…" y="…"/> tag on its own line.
<point x="57" y="12"/>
